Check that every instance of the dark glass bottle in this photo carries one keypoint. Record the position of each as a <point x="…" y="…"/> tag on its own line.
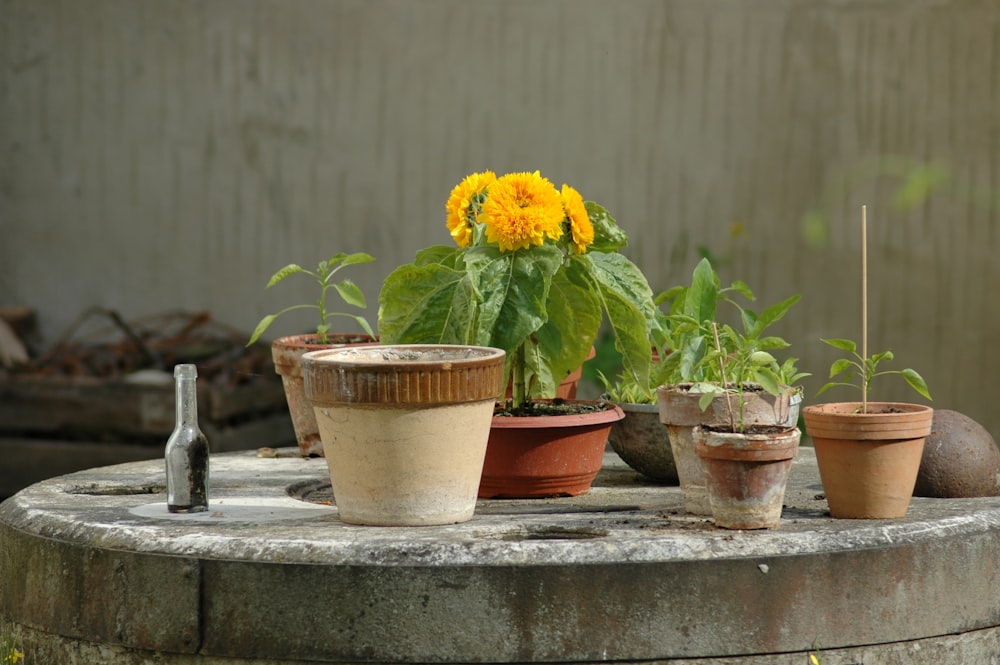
<point x="187" y="449"/>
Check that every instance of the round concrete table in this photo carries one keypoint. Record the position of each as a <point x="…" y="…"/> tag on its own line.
<point x="94" y="569"/>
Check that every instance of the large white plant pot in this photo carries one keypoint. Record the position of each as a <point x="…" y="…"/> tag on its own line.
<point x="404" y="428"/>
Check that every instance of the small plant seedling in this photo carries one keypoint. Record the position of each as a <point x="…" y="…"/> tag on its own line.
<point x="866" y="368"/>
<point x="349" y="291"/>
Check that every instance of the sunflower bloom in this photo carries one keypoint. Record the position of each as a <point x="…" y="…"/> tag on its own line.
<point x="523" y="209"/>
<point x="581" y="230"/>
<point x="464" y="206"/>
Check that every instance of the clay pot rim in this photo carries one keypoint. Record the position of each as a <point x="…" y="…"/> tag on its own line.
<point x="311" y="340"/>
<point x="850" y="409"/>
<point x="363" y="356"/>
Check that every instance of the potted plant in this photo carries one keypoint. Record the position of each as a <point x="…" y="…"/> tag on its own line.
<point x="868" y="452"/>
<point x="746" y="467"/>
<point x="405" y="428"/>
<point x="287" y="351"/>
<point x="692" y="390"/>
<point x="639" y="438"/>
<point x="535" y="270"/>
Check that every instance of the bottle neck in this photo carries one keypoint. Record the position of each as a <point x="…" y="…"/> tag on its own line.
<point x="186" y="394"/>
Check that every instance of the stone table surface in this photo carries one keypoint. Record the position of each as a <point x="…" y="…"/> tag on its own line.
<point x="244" y="578"/>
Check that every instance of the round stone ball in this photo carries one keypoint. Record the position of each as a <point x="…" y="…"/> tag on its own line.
<point x="960" y="460"/>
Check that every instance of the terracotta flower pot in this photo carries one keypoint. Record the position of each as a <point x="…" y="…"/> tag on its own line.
<point x="545" y="456"/>
<point x="868" y="462"/>
<point x="681" y="413"/>
<point x="404" y="428"/>
<point x="287" y="352"/>
<point x="746" y="475"/>
<point x="643" y="442"/>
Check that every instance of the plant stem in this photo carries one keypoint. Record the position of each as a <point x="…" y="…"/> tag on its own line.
<point x="518" y="389"/>
<point x="725" y="384"/>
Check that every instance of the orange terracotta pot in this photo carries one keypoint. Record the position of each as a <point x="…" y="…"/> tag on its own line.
<point x="287" y="352"/>
<point x="868" y="462"/>
<point x="746" y="475"/>
<point x="545" y="456"/>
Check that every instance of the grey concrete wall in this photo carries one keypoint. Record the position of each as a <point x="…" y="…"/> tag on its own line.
<point x="157" y="154"/>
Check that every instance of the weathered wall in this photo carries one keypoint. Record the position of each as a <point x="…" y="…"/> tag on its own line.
<point x="161" y="154"/>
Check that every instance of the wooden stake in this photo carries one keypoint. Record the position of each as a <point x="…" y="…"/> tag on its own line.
<point x="864" y="303"/>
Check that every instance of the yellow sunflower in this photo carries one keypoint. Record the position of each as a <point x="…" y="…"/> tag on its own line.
<point x="581" y="230"/>
<point x="464" y="205"/>
<point x="523" y="209"/>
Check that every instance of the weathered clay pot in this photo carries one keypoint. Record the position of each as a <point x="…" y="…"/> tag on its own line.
<point x="287" y="352"/>
<point x="868" y="462"/>
<point x="681" y="413"/>
<point x="404" y="428"/>
<point x="643" y="442"/>
<point x="545" y="456"/>
<point x="746" y="474"/>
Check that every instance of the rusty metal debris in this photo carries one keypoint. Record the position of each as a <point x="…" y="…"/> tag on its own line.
<point x="102" y="343"/>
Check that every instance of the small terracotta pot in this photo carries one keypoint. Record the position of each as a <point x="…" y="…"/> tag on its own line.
<point x="746" y="475"/>
<point x="404" y="428"/>
<point x="545" y="456"/>
<point x="868" y="462"/>
<point x="287" y="352"/>
<point x="680" y="411"/>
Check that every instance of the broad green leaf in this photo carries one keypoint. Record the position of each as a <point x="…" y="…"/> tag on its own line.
<point x="628" y="302"/>
<point x="608" y="236"/>
<point x="417" y="305"/>
<point x="558" y="350"/>
<point x="741" y="288"/>
<point x="766" y="343"/>
<point x="516" y="287"/>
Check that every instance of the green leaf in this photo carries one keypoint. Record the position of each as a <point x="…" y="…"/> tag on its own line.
<point x="261" y="327"/>
<point x="840" y="366"/>
<point x="627" y="299"/>
<point x="353" y="259"/>
<point x="516" y="287"/>
<point x="916" y="382"/>
<point x="769" y="380"/>
<point x="842" y="344"/>
<point x="351" y="293"/>
<point x="608" y="236"/>
<point x="879" y="357"/>
<point x="290" y="269"/>
<point x="420" y="304"/>
<point x="701" y="298"/>
<point x="561" y="345"/>
<point x="772" y="314"/>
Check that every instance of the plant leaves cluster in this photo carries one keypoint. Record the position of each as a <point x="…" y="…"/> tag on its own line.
<point x="323" y="275"/>
<point x="542" y="305"/>
<point x="844" y="370"/>
<point x="684" y="337"/>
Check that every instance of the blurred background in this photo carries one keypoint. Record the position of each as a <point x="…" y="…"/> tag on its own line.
<point x="161" y="155"/>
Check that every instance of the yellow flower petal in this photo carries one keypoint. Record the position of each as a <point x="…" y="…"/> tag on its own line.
<point x="464" y="205"/>
<point x="522" y="209"/>
<point x="581" y="230"/>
